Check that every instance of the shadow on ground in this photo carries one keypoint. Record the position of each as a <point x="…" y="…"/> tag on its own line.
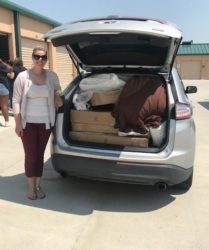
<point x="80" y="196"/>
<point x="205" y="104"/>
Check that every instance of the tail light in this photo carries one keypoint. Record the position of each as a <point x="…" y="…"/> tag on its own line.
<point x="183" y="111"/>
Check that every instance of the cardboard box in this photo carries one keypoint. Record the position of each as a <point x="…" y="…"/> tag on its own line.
<point x="109" y="139"/>
<point x="97" y="128"/>
<point x="104" y="98"/>
<point x="92" y="117"/>
<point x="92" y="121"/>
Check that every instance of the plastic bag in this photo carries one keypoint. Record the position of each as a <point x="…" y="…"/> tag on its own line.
<point x="101" y="83"/>
<point x="80" y="100"/>
<point x="158" y="134"/>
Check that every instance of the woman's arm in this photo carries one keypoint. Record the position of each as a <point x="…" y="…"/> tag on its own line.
<point x="16" y="100"/>
<point x="7" y="67"/>
<point x="18" y="125"/>
<point x="58" y="102"/>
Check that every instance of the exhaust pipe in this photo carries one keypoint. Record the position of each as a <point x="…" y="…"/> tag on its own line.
<point x="161" y="186"/>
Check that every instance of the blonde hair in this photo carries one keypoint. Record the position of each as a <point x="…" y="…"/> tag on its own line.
<point x="39" y="48"/>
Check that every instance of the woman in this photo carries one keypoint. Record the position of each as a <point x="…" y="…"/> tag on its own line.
<point x="4" y="92"/>
<point x="35" y="97"/>
<point x="17" y="67"/>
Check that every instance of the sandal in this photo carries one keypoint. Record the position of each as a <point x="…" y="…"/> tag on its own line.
<point x="39" y="193"/>
<point x="31" y="195"/>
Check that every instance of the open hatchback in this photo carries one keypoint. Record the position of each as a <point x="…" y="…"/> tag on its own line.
<point x="126" y="116"/>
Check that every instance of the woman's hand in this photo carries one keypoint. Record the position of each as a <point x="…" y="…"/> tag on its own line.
<point x="18" y="125"/>
<point x="58" y="102"/>
<point x="19" y="130"/>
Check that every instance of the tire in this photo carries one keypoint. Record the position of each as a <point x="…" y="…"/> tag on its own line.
<point x="186" y="184"/>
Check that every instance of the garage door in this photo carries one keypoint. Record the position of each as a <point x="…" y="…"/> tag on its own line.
<point x="207" y="70"/>
<point x="191" y="70"/>
<point x="27" y="48"/>
<point x="64" y="66"/>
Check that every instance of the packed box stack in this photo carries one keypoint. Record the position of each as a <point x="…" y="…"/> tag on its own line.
<point x="98" y="126"/>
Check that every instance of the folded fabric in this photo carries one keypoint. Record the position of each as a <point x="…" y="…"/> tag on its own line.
<point x="141" y="104"/>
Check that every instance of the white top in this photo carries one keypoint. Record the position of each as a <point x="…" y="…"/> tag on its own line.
<point x="21" y="86"/>
<point x="37" y="110"/>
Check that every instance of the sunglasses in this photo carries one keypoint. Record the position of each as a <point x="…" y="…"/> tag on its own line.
<point x="37" y="57"/>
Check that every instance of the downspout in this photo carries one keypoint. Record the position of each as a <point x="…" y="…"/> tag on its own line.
<point x="16" y="16"/>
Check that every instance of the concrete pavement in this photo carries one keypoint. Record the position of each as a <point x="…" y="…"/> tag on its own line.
<point x="87" y="215"/>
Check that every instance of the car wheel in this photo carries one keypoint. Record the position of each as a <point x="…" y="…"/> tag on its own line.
<point x="186" y="184"/>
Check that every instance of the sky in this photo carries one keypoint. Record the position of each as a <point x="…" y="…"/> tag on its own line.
<point x="191" y="16"/>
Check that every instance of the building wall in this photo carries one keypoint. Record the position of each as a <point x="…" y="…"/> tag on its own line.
<point x="193" y="67"/>
<point x="31" y="32"/>
<point x="7" y="27"/>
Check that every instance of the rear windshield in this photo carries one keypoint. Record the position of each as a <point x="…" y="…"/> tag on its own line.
<point x="118" y="49"/>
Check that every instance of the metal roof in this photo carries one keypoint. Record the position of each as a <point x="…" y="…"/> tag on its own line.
<point x="189" y="48"/>
<point x="15" y="7"/>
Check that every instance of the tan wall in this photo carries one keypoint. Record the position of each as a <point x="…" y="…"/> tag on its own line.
<point x="64" y="66"/>
<point x="6" y="20"/>
<point x="193" y="67"/>
<point x="207" y="70"/>
<point x="32" y="30"/>
<point x="7" y="26"/>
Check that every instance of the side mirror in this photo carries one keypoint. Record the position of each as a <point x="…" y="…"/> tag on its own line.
<point x="191" y="89"/>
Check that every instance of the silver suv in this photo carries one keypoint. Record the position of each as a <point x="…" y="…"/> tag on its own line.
<point x="126" y="116"/>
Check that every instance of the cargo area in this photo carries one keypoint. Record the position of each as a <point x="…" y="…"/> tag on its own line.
<point x="121" y="110"/>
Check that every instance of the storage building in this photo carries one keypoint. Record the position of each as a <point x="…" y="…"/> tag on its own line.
<point x="21" y="30"/>
<point x="192" y="61"/>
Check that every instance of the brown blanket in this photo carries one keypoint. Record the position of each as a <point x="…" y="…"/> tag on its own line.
<point x="141" y="104"/>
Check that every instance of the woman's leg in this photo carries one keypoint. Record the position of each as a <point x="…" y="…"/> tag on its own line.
<point x="29" y="140"/>
<point x="43" y="137"/>
<point x="39" y="191"/>
<point x="30" y="145"/>
<point x="4" y="108"/>
<point x="31" y="194"/>
<point x="35" y="138"/>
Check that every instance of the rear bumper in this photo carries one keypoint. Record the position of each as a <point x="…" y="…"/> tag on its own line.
<point x="145" y="174"/>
